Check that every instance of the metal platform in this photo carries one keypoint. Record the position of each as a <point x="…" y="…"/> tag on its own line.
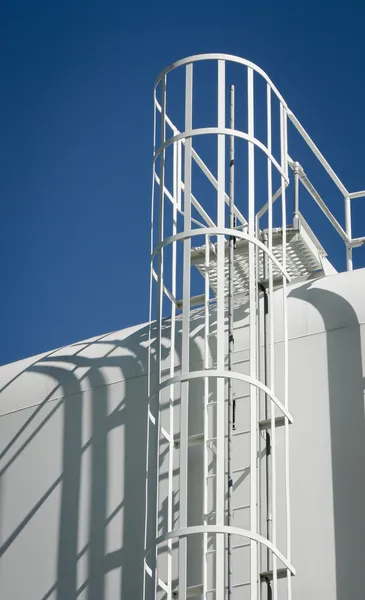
<point x="304" y="257"/>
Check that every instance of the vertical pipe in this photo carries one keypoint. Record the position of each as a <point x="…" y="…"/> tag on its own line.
<point x="185" y="339"/>
<point x="149" y="349"/>
<point x="220" y="407"/>
<point x="296" y="195"/>
<point x="252" y="335"/>
<point x="348" y="227"/>
<point x="271" y="380"/>
<point x="231" y="424"/>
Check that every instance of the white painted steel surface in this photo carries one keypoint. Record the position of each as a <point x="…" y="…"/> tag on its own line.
<point x="72" y="448"/>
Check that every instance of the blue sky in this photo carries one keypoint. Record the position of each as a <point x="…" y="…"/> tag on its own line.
<point x="76" y="140"/>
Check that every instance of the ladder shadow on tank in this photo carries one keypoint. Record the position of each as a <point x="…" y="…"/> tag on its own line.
<point x="130" y="413"/>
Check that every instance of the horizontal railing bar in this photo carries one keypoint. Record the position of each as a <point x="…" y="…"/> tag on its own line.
<point x="356" y="242"/>
<point x="357" y="195"/>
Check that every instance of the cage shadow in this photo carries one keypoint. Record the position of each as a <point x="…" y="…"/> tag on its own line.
<point x="130" y="413"/>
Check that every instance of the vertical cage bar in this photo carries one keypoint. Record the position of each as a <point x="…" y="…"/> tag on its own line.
<point x="170" y="497"/>
<point x="179" y="186"/>
<point x="159" y="328"/>
<point x="271" y="411"/>
<point x="220" y="408"/>
<point x="272" y="406"/>
<point x="185" y="339"/>
<point x="146" y="521"/>
<point x="206" y="416"/>
<point x="286" y="352"/>
<point x="151" y="249"/>
<point x="230" y="342"/>
<point x="252" y="334"/>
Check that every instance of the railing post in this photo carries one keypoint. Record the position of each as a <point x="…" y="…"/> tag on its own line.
<point x="348" y="228"/>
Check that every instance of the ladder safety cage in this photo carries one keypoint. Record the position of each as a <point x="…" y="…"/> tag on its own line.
<point x="217" y="521"/>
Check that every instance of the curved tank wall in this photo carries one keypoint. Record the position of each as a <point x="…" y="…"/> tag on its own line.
<point x="73" y="443"/>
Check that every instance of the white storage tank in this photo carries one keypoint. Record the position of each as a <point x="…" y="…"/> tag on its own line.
<point x="216" y="452"/>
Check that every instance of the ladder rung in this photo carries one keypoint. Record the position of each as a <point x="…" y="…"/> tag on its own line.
<point x="193" y="440"/>
<point x="242" y="470"/>
<point x="269" y="575"/>
<point x="243" y="584"/>
<point x="241" y="362"/>
<point x="242" y="432"/>
<point x="241" y="507"/>
<point x="266" y="424"/>
<point x="198" y="438"/>
<point x="245" y="545"/>
<point x="194" y="301"/>
<point x="191" y="591"/>
<point x="275" y="280"/>
<point x="235" y="547"/>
